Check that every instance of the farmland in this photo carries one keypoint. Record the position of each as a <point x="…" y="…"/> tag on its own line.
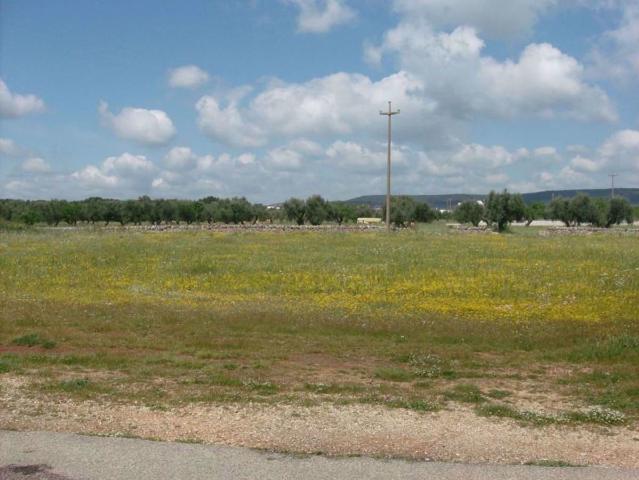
<point x="419" y="320"/>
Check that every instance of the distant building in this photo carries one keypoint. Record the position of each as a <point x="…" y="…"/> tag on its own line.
<point x="369" y="220"/>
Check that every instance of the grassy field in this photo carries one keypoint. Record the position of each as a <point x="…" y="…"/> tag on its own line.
<point x="419" y="320"/>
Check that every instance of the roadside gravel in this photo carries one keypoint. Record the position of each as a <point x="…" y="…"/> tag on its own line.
<point x="450" y="435"/>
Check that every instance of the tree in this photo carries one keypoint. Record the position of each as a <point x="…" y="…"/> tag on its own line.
<point x="316" y="210"/>
<point x="30" y="216"/>
<point x="187" y="211"/>
<point x="534" y="211"/>
<point x="341" y="212"/>
<point x="559" y="209"/>
<point x="241" y="210"/>
<point x="424" y="214"/>
<point x="583" y="210"/>
<point x="295" y="210"/>
<point x="403" y="211"/>
<point x="504" y="208"/>
<point x="619" y="210"/>
<point x="469" y="212"/>
<point x="133" y="211"/>
<point x="71" y="212"/>
<point x="259" y="213"/>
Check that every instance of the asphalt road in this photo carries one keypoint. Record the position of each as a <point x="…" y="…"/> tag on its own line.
<point x="62" y="456"/>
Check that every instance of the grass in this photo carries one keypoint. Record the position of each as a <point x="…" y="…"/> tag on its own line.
<point x="600" y="416"/>
<point x="32" y="340"/>
<point x="465" y="393"/>
<point x="339" y="316"/>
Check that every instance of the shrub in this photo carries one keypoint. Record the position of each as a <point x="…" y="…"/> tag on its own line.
<point x="503" y="209"/>
<point x="470" y="212"/>
<point x="295" y="210"/>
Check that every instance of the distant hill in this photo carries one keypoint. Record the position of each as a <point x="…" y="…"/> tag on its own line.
<point x="442" y="201"/>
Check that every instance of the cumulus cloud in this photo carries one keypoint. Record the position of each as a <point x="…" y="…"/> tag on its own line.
<point x="621" y="151"/>
<point x="583" y="164"/>
<point x="616" y="55"/>
<point x="543" y="81"/>
<point x="355" y="157"/>
<point x="117" y="172"/>
<point x="490" y="157"/>
<point x="497" y="18"/>
<point x="13" y="105"/>
<point x="187" y="76"/>
<point x="337" y="104"/>
<point x="35" y="165"/>
<point x="180" y="158"/>
<point x="147" y="127"/>
<point x="227" y="125"/>
<point x="283" y="158"/>
<point x="9" y="148"/>
<point x="320" y="16"/>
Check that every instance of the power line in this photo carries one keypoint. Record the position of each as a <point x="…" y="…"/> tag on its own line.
<point x="390" y="113"/>
<point x="612" y="184"/>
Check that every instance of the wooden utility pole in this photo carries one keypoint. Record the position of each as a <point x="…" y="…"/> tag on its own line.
<point x="390" y="113"/>
<point x="612" y="184"/>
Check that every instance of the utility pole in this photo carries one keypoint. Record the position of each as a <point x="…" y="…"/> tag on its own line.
<point x="390" y="113"/>
<point x="612" y="184"/>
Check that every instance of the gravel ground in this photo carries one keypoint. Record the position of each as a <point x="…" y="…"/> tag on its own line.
<point x="48" y="456"/>
<point x="449" y="435"/>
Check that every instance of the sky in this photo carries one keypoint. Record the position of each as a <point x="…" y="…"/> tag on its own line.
<point x="270" y="99"/>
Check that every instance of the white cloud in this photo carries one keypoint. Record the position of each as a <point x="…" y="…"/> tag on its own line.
<point x="621" y="151"/>
<point x="355" y="157"/>
<point x="35" y="165"/>
<point x="92" y="177"/>
<point x="147" y="127"/>
<point x="9" y="148"/>
<point x="128" y="165"/>
<point x="283" y="158"/>
<point x="496" y="18"/>
<point x="616" y="55"/>
<point x="227" y="125"/>
<point x="14" y="105"/>
<point x="546" y="152"/>
<point x="124" y="173"/>
<point x="187" y="76"/>
<point x="488" y="157"/>
<point x="497" y="179"/>
<point x="338" y="104"/>
<point x="180" y="158"/>
<point x="583" y="164"/>
<point x="320" y="16"/>
<point x="542" y="82"/>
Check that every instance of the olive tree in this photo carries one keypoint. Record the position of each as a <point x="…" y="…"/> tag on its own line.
<point x="469" y="212"/>
<point x="504" y="208"/>
<point x="295" y="210"/>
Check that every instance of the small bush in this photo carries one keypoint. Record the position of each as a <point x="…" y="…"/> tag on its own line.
<point x="393" y="374"/>
<point x="417" y="405"/>
<point x="33" y="340"/>
<point x="30" y="340"/>
<point x="465" y="393"/>
<point x="498" y="393"/>
<point x="263" y="388"/>
<point x="599" y="415"/>
<point x="74" y="385"/>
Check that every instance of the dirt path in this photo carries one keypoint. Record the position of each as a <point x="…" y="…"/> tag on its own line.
<point x="448" y="435"/>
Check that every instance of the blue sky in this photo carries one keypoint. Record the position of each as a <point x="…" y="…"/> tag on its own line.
<point x="274" y="98"/>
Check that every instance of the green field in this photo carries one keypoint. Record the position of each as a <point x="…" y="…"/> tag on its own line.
<point x="420" y="320"/>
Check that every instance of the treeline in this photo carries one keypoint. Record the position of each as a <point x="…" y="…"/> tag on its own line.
<point x="238" y="210"/>
<point x="501" y="209"/>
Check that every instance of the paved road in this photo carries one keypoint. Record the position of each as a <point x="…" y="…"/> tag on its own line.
<point x="61" y="456"/>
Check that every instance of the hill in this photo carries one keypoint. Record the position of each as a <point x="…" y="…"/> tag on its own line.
<point x="443" y="201"/>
